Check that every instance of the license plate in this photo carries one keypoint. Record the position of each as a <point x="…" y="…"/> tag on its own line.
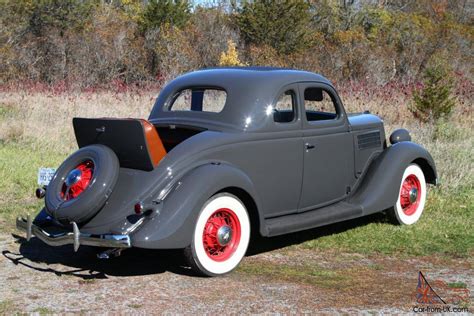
<point x="45" y="175"/>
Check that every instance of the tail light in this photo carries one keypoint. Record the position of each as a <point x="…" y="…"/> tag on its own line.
<point x="138" y="208"/>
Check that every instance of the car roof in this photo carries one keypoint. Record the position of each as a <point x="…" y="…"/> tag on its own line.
<point x="272" y="75"/>
<point x="249" y="91"/>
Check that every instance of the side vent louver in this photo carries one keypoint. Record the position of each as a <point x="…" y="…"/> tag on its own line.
<point x="369" y="140"/>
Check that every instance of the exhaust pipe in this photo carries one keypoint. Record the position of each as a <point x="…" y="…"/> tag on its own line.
<point x="110" y="253"/>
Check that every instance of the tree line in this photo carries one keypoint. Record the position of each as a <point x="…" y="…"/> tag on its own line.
<point x="87" y="43"/>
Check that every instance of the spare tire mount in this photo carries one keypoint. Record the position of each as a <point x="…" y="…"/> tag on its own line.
<point x="82" y="184"/>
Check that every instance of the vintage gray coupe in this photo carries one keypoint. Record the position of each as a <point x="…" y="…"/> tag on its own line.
<point x="224" y="152"/>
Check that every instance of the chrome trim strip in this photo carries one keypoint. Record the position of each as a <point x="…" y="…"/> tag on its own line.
<point x="75" y="238"/>
<point x="132" y="228"/>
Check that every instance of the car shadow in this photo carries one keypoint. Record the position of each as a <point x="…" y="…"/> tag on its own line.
<point x="84" y="264"/>
<point x="261" y="244"/>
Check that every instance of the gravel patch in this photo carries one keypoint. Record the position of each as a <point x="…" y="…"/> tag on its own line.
<point x="36" y="277"/>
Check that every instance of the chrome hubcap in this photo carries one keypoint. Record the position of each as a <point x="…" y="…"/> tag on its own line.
<point x="224" y="235"/>
<point x="413" y="195"/>
<point x="73" y="177"/>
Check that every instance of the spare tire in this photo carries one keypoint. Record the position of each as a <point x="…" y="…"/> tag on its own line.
<point x="82" y="184"/>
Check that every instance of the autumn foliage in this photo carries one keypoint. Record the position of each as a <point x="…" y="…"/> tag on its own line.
<point x="85" y="43"/>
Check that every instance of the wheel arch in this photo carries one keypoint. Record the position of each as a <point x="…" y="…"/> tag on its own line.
<point x="250" y="205"/>
<point x="173" y="227"/>
<point x="428" y="170"/>
<point x="381" y="184"/>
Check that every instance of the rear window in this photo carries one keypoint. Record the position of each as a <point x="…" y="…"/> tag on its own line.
<point x="199" y="100"/>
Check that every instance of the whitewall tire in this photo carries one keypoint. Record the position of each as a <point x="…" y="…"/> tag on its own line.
<point x="411" y="197"/>
<point x="221" y="236"/>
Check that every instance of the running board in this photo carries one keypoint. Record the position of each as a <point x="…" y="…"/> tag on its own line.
<point x="323" y="216"/>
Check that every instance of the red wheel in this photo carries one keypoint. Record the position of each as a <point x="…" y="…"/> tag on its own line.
<point x="412" y="196"/>
<point x="82" y="184"/>
<point x="221" y="236"/>
<point x="77" y="180"/>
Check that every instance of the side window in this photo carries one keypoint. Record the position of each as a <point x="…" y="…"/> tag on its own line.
<point x="318" y="105"/>
<point x="285" y="107"/>
<point x="200" y="100"/>
<point x="182" y="101"/>
<point x="213" y="100"/>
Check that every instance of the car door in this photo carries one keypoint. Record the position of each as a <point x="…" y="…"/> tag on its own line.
<point x="277" y="161"/>
<point x="328" y="147"/>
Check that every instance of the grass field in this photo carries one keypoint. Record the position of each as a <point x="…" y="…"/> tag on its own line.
<point x="36" y="131"/>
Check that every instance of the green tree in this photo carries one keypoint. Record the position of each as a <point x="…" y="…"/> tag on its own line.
<point x="283" y="25"/>
<point x="159" y="12"/>
<point x="434" y="101"/>
<point x="58" y="14"/>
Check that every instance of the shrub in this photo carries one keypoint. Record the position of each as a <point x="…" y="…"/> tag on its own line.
<point x="159" y="12"/>
<point x="283" y="25"/>
<point x="109" y="50"/>
<point x="37" y="33"/>
<point x="175" y="53"/>
<point x="264" y="55"/>
<point x="58" y="14"/>
<point x="352" y="52"/>
<point x="209" y="30"/>
<point x="434" y="101"/>
<point x="327" y="17"/>
<point x="231" y="56"/>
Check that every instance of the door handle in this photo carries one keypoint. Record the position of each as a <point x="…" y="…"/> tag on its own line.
<point x="308" y="146"/>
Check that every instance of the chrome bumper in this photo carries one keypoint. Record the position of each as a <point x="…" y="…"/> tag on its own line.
<point x="75" y="237"/>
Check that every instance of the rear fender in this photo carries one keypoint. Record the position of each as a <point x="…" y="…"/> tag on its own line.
<point x="380" y="187"/>
<point x="173" y="227"/>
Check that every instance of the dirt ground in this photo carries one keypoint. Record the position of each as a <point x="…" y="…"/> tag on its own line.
<point x="36" y="277"/>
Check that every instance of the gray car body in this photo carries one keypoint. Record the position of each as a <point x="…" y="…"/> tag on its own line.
<point x="285" y="186"/>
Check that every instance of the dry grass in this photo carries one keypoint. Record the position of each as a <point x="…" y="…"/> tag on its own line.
<point x="40" y="119"/>
<point x="46" y="120"/>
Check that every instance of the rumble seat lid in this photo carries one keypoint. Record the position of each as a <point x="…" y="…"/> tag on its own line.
<point x="135" y="141"/>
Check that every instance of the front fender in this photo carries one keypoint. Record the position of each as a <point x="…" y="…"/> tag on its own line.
<point x="173" y="227"/>
<point x="380" y="187"/>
